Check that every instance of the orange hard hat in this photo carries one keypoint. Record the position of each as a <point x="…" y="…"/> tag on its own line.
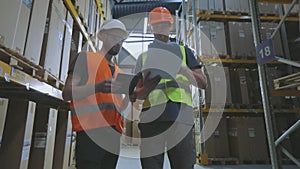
<point x="160" y="14"/>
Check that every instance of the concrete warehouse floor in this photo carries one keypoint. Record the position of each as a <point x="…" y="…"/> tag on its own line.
<point x="129" y="160"/>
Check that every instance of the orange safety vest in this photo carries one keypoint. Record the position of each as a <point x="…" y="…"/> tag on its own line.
<point x="99" y="109"/>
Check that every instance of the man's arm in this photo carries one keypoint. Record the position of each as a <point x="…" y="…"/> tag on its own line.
<point x="193" y="70"/>
<point x="74" y="91"/>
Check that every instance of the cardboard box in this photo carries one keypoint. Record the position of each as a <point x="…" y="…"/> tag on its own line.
<point x="237" y="35"/>
<point x="68" y="144"/>
<point x="247" y="139"/>
<point x="28" y="135"/>
<point x="3" y="112"/>
<point x="266" y="31"/>
<point x="244" y="86"/>
<point x="217" y="145"/>
<point x="232" y="5"/>
<point x="55" y="38"/>
<point x="16" y="139"/>
<point x="36" y="31"/>
<point x="295" y="9"/>
<point x="66" y="48"/>
<point x="22" y="27"/>
<point x="9" y="17"/>
<point x="201" y="5"/>
<point x="215" y="94"/>
<point x="249" y="48"/>
<point x="217" y="38"/>
<point x="267" y="8"/>
<point x="244" y="6"/>
<point x="205" y="44"/>
<point x="50" y="140"/>
<point x="219" y="5"/>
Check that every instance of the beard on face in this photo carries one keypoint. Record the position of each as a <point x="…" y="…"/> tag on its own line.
<point x="114" y="50"/>
<point x="161" y="37"/>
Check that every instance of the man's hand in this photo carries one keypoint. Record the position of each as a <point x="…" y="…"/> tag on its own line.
<point x="144" y="87"/>
<point x="104" y="86"/>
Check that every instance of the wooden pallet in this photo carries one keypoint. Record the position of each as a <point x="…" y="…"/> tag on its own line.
<point x="223" y="161"/>
<point x="14" y="59"/>
<point x="289" y="81"/>
<point x="254" y="162"/>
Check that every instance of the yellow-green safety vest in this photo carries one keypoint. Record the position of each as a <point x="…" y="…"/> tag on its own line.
<point x="167" y="89"/>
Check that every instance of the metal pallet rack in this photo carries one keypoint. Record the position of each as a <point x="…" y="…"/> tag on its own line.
<point x="289" y="81"/>
<point x="32" y="110"/>
<point x="268" y="112"/>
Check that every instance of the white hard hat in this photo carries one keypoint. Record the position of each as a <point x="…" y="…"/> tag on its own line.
<point x="114" y="24"/>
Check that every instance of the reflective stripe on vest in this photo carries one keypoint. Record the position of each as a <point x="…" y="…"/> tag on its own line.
<point x="168" y="89"/>
<point x="93" y="108"/>
<point x="99" y="109"/>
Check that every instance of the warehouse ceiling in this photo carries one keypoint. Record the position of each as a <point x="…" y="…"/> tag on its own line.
<point x="122" y="8"/>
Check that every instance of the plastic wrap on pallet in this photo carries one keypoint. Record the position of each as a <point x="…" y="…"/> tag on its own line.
<point x="212" y="39"/>
<point x="250" y="51"/>
<point x="294" y="11"/>
<point x="232" y="5"/>
<point x="22" y="27"/>
<point x="266" y="30"/>
<point x="244" y="6"/>
<point x="205" y="46"/>
<point x="3" y="112"/>
<point x="14" y="18"/>
<point x="202" y="5"/>
<point x="36" y="31"/>
<point x="66" y="48"/>
<point x="217" y="38"/>
<point x="240" y="35"/>
<point x="55" y="38"/>
<point x="214" y="93"/>
<point x="267" y="8"/>
<point x="237" y="37"/>
<point x="219" y="5"/>
<point x="17" y="135"/>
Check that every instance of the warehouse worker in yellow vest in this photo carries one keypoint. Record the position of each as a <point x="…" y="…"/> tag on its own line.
<point x="96" y="111"/>
<point x="166" y="119"/>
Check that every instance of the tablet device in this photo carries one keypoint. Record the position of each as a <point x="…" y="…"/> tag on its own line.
<point x="124" y="79"/>
<point x="163" y="63"/>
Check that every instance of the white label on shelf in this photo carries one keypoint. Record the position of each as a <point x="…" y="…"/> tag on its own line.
<point x="1" y="70"/>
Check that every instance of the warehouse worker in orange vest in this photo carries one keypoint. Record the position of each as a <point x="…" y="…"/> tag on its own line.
<point x="167" y="115"/>
<point x="96" y="111"/>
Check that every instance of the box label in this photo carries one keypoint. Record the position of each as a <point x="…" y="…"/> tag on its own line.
<point x="28" y="3"/>
<point x="26" y="150"/>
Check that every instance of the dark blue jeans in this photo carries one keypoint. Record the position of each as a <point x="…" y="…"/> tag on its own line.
<point x="89" y="155"/>
<point x="182" y="155"/>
